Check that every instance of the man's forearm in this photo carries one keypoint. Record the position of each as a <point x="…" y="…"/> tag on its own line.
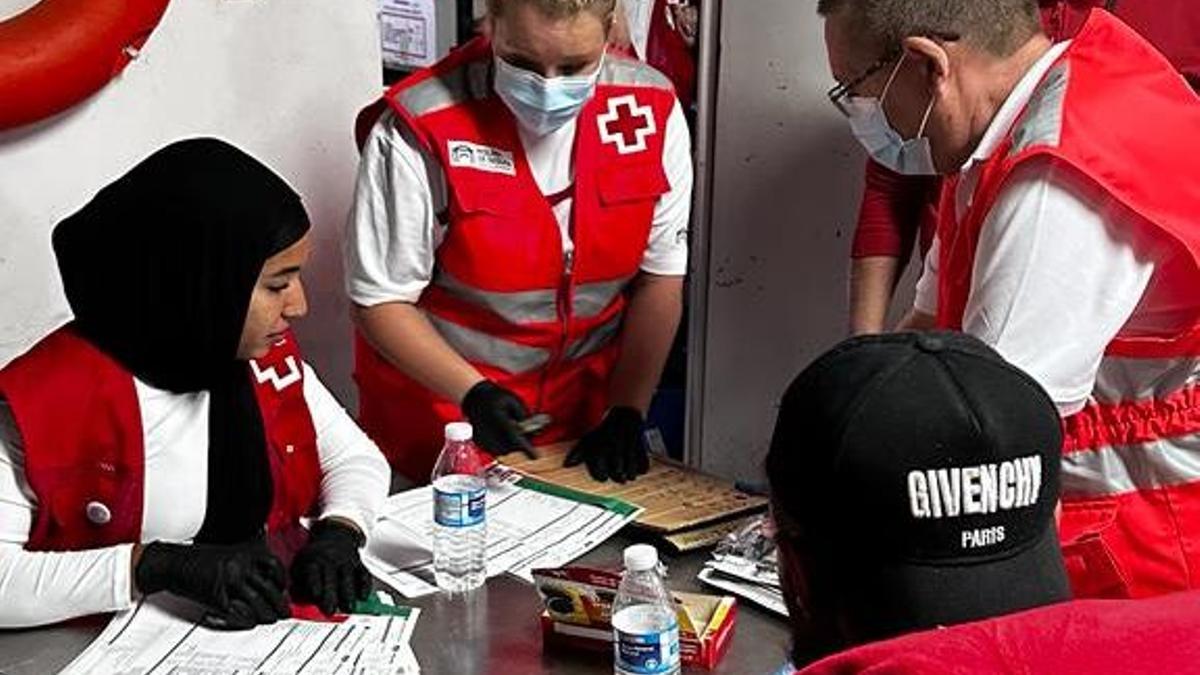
<point x="872" y="283"/>
<point x="917" y="320"/>
<point x="403" y="336"/>
<point x="651" y="319"/>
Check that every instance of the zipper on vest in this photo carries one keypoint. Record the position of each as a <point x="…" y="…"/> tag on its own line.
<point x="564" y="317"/>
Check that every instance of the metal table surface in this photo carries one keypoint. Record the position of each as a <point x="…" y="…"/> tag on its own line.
<point x="494" y="631"/>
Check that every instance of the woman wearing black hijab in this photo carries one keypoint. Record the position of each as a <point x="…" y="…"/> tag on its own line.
<point x="159" y="440"/>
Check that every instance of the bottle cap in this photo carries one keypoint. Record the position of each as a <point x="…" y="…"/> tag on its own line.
<point x="458" y="431"/>
<point x="641" y="557"/>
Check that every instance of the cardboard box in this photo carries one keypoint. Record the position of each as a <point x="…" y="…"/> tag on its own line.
<point x="578" y="615"/>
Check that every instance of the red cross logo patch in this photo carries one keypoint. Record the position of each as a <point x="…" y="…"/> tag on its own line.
<point x="627" y="124"/>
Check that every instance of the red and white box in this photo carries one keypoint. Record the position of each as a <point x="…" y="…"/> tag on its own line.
<point x="578" y="615"/>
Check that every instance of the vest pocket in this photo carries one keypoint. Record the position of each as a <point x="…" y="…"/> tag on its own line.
<point x="1093" y="569"/>
<point x="493" y="200"/>
<point x="623" y="184"/>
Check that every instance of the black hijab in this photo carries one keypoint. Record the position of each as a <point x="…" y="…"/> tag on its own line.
<point x="159" y="268"/>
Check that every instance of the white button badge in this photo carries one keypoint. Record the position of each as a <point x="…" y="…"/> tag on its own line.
<point x="98" y="513"/>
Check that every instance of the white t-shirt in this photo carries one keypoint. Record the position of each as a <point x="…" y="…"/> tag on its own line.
<point x="44" y="587"/>
<point x="1060" y="268"/>
<point x="393" y="231"/>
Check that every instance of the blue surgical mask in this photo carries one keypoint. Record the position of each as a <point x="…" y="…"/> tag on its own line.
<point x="543" y="104"/>
<point x="870" y="125"/>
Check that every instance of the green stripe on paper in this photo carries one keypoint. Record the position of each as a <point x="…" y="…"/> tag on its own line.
<point x="618" y="506"/>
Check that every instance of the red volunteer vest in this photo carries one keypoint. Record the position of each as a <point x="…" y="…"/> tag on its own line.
<point x="77" y="411"/>
<point x="1097" y="637"/>
<point x="503" y="295"/>
<point x="1115" y="110"/>
<point x="1173" y="26"/>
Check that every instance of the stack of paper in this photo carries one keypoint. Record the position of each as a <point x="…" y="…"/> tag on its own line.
<point x="530" y="524"/>
<point x="746" y="564"/>
<point x="164" y="635"/>
<point x="743" y="578"/>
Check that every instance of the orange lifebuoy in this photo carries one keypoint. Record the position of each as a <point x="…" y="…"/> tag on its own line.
<point x="59" y="52"/>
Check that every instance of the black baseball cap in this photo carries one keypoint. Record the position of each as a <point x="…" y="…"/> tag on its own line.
<point x="923" y="469"/>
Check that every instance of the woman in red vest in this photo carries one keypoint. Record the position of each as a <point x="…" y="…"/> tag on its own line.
<point x="898" y="211"/>
<point x="148" y="445"/>
<point x="518" y="243"/>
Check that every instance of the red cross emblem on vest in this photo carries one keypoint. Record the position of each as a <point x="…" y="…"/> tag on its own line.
<point x="627" y="124"/>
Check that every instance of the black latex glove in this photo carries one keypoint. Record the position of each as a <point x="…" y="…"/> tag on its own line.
<point x="494" y="413"/>
<point x="328" y="572"/>
<point x="614" y="449"/>
<point x="242" y="585"/>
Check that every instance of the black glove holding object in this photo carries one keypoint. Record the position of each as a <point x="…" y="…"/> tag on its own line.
<point x="614" y="449"/>
<point x="495" y="413"/>
<point x="328" y="572"/>
<point x="241" y="584"/>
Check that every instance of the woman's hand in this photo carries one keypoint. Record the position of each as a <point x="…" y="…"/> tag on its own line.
<point x="328" y="572"/>
<point x="614" y="449"/>
<point x="495" y="414"/>
<point x="242" y="584"/>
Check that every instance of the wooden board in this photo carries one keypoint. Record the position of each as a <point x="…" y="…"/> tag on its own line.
<point x="674" y="496"/>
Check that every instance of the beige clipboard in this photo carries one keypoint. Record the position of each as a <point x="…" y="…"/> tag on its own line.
<point x="674" y="496"/>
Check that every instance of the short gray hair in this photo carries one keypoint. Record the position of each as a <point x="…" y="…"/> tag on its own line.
<point x="999" y="27"/>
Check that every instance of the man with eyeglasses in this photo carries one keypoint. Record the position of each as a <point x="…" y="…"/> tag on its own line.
<point x="1068" y="239"/>
<point x="898" y="213"/>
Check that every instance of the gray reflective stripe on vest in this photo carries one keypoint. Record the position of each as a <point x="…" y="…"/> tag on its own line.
<point x="627" y="72"/>
<point x="589" y="300"/>
<point x="451" y="88"/>
<point x="1115" y="470"/>
<point x="515" y="307"/>
<point x="595" y="340"/>
<point x="1124" y="379"/>
<point x="479" y="347"/>
<point x="1041" y="123"/>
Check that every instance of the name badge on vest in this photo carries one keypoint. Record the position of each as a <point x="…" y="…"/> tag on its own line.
<point x="481" y="157"/>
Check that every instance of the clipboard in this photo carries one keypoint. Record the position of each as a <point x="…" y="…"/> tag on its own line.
<point x="675" y="497"/>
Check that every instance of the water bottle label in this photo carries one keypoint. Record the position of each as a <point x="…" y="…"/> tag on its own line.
<point x="647" y="653"/>
<point x="459" y="509"/>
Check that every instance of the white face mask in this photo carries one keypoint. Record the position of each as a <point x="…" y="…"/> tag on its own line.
<point x="543" y="104"/>
<point x="870" y="125"/>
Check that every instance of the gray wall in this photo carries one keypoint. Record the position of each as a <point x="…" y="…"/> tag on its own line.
<point x="786" y="185"/>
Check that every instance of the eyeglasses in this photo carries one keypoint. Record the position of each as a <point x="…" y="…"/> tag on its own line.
<point x="840" y="92"/>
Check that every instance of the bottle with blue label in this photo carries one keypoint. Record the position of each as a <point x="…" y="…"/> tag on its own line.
<point x="459" y="512"/>
<point x="645" y="627"/>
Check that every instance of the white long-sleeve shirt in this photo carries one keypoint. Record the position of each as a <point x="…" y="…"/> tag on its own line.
<point x="44" y="587"/>
<point x="1061" y="267"/>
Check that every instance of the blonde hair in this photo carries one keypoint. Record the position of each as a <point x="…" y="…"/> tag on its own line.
<point x="558" y="8"/>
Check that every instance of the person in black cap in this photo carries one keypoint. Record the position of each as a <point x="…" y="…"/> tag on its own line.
<point x="914" y="479"/>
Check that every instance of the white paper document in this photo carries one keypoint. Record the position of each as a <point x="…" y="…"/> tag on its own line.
<point x="408" y="33"/>
<point x="163" y="635"/>
<point x="746" y="563"/>
<point x="530" y="524"/>
<point x="765" y="595"/>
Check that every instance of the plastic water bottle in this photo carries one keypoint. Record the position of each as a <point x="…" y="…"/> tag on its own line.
<point x="459" y="512"/>
<point x="645" y="628"/>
